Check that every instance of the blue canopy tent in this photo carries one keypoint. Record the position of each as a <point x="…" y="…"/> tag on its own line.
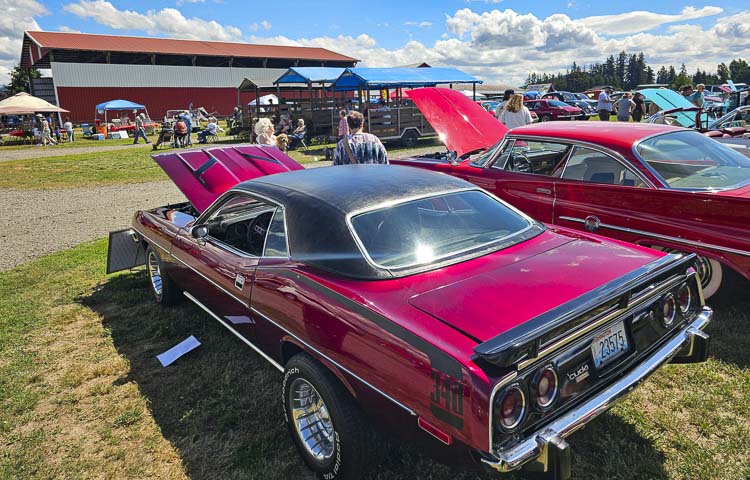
<point x="309" y="75"/>
<point x="118" y="105"/>
<point x="385" y="78"/>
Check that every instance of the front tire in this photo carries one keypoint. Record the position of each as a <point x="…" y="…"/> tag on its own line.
<point x="162" y="287"/>
<point x="545" y="118"/>
<point x="327" y="427"/>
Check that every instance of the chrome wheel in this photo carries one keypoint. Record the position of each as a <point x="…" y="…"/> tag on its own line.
<point x="154" y="273"/>
<point x="704" y="269"/>
<point x="312" y="420"/>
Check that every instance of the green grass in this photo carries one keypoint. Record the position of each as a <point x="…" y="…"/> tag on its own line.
<point x="129" y="165"/>
<point x="83" y="395"/>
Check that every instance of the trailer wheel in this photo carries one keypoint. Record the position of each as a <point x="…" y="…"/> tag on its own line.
<point x="409" y="139"/>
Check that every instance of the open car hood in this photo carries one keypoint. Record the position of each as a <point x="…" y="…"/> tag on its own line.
<point x="461" y="124"/>
<point x="204" y="174"/>
<point x="667" y="99"/>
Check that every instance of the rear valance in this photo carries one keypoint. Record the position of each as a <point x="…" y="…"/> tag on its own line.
<point x="525" y="341"/>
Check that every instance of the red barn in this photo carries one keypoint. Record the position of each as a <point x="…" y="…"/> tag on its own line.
<point x="161" y="73"/>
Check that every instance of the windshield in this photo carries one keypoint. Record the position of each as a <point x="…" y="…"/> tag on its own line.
<point x="423" y="231"/>
<point x="581" y="96"/>
<point x="689" y="160"/>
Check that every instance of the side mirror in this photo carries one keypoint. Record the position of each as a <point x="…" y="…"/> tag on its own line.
<point x="453" y="157"/>
<point x="199" y="232"/>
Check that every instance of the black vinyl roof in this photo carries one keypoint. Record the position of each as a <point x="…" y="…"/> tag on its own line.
<point x="318" y="200"/>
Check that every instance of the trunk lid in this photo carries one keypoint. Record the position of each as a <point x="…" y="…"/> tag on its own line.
<point x="461" y="124"/>
<point x="203" y="175"/>
<point x="499" y="299"/>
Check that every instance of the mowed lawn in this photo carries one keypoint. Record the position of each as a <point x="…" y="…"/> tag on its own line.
<point x="129" y="165"/>
<point x="83" y="396"/>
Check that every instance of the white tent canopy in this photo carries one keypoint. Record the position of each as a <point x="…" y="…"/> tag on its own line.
<point x="266" y="100"/>
<point x="24" y="103"/>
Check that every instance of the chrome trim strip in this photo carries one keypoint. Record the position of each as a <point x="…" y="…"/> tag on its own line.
<point x="575" y="419"/>
<point x="329" y="359"/>
<point x="234" y="332"/>
<point x="242" y="302"/>
<point x="663" y="237"/>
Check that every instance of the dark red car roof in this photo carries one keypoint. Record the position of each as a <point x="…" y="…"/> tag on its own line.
<point x="619" y="136"/>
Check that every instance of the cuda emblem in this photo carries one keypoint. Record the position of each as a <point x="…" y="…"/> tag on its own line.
<point x="579" y="374"/>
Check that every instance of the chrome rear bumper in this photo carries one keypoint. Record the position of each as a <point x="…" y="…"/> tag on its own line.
<point x="547" y="446"/>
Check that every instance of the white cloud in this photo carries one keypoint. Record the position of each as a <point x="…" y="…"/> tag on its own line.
<point x="67" y="29"/>
<point x="424" y="24"/>
<point x="265" y="25"/>
<point x="642" y="21"/>
<point x="167" y="21"/>
<point x="17" y="16"/>
<point x="183" y="2"/>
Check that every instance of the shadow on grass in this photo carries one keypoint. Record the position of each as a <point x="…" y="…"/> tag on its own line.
<point x="730" y="336"/>
<point x="220" y="407"/>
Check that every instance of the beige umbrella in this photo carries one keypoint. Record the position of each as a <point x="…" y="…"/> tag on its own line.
<point x="24" y="103"/>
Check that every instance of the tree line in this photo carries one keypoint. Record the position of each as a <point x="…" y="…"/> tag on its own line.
<point x="627" y="70"/>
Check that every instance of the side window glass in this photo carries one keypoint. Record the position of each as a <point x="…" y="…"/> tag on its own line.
<point x="276" y="244"/>
<point x="596" y="167"/>
<point x="241" y="223"/>
<point x="539" y="158"/>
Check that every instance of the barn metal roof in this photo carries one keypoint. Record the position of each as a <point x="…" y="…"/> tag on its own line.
<point x="47" y="41"/>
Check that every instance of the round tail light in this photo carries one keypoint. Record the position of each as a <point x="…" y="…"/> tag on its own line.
<point x="669" y="310"/>
<point x="684" y="298"/>
<point x="546" y="387"/>
<point x="511" y="407"/>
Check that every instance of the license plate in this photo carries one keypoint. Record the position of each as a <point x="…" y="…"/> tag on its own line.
<point x="609" y="344"/>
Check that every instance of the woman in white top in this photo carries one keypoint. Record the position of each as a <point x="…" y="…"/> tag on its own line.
<point x="515" y="114"/>
<point x="264" y="132"/>
<point x="68" y="126"/>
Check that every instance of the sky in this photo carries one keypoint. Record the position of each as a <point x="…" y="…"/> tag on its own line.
<point x="499" y="41"/>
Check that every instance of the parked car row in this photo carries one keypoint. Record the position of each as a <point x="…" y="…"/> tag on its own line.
<point x="375" y="289"/>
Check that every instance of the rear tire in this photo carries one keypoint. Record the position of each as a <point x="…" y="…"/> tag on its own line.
<point x="711" y="274"/>
<point x="162" y="286"/>
<point x="326" y="425"/>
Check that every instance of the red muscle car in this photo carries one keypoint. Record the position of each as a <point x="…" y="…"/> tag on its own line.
<point x="551" y="109"/>
<point x="655" y="185"/>
<point x="414" y="301"/>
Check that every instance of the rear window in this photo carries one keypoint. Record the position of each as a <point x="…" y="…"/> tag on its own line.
<point x="424" y="231"/>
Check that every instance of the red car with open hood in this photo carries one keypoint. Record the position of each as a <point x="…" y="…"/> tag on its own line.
<point x="394" y="297"/>
<point x="654" y="185"/>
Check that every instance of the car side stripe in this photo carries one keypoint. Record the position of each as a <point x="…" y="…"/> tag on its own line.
<point x="439" y="360"/>
<point x="663" y="237"/>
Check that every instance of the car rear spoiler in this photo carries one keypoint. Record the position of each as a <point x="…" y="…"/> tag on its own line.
<point x="524" y="341"/>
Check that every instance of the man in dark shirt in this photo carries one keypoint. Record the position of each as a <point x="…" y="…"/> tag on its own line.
<point x="359" y="147"/>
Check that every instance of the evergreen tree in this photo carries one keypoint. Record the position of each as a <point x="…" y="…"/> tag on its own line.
<point x="20" y="79"/>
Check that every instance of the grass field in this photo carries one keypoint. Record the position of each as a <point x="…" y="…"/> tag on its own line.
<point x="83" y="395"/>
<point x="129" y="165"/>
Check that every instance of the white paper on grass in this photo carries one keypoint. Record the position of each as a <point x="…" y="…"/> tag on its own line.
<point x="168" y="357"/>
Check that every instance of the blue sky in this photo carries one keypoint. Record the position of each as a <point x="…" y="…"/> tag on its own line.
<point x="500" y="41"/>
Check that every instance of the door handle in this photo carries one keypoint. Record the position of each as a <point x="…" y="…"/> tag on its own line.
<point x="545" y="191"/>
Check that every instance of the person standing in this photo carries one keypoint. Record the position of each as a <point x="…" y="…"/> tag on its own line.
<point x="140" y="130"/>
<point x="47" y="132"/>
<point x="189" y="124"/>
<point x="624" y="106"/>
<point x="343" y="125"/>
<point x="515" y="114"/>
<point x="357" y="146"/>
<point x="604" y="104"/>
<point x="68" y="126"/>
<point x="640" y="107"/>
<point x="506" y="98"/>
<point x="698" y="98"/>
